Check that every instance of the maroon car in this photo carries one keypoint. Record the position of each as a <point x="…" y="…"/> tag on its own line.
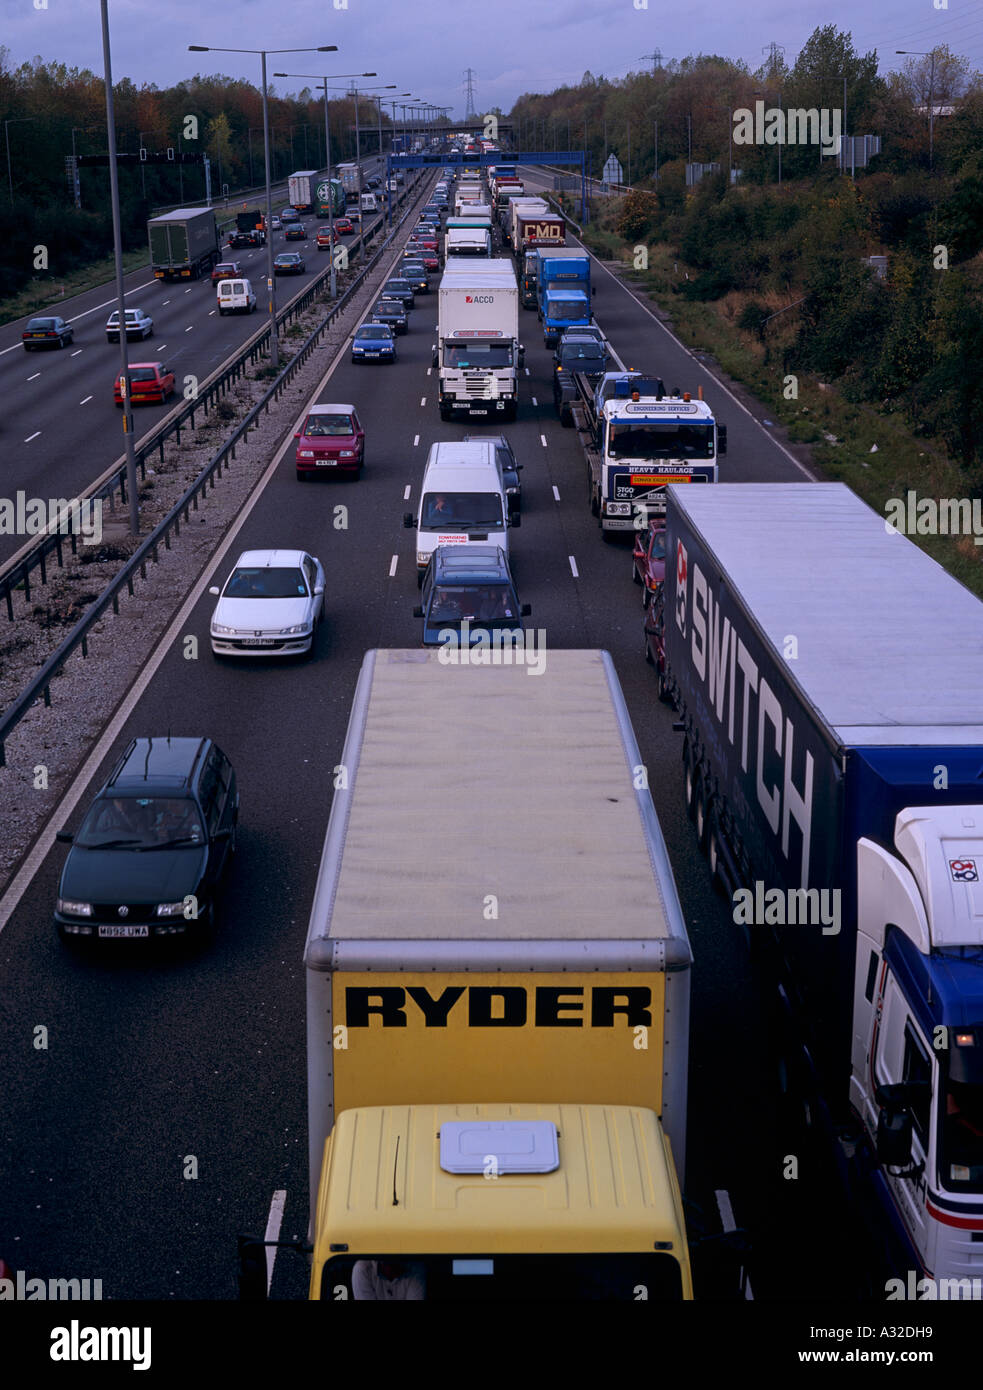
<point x="331" y="441"/>
<point x="655" y="644"/>
<point x="648" y="559"/>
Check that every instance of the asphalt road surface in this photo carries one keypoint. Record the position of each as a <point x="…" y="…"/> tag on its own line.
<point x="160" y="1067"/>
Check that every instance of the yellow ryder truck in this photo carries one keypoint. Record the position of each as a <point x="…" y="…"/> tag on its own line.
<point x="498" y="980"/>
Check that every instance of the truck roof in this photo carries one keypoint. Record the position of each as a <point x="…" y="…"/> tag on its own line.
<point x="612" y="1187"/>
<point x="182" y="214"/>
<point x="478" y="274"/>
<point x="890" y="646"/>
<point x="469" y="780"/>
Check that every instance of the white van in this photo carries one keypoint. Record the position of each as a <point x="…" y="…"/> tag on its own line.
<point x="462" y="500"/>
<point x="235" y="296"/>
<point x="370" y="203"/>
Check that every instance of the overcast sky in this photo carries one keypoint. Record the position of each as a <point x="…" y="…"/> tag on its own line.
<point x="513" y="46"/>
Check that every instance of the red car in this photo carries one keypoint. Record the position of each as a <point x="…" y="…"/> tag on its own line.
<point x="324" y="237"/>
<point x="149" y="381"/>
<point x="226" y="270"/>
<point x="425" y="239"/>
<point x="331" y="439"/>
<point x="426" y="254"/>
<point x="655" y="645"/>
<point x="648" y="559"/>
<point x="344" y="225"/>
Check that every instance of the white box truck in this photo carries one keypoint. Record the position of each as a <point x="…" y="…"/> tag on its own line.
<point x="302" y="188"/>
<point x="478" y="353"/>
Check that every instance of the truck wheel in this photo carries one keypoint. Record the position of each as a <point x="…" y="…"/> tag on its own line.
<point x="688" y="787"/>
<point x="700" y="810"/>
<point x="636" y="578"/>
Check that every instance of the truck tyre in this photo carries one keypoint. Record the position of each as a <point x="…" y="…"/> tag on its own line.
<point x="688" y="776"/>
<point x="636" y="578"/>
<point x="700" y="810"/>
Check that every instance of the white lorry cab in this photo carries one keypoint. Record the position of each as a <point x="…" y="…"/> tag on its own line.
<point x="462" y="500"/>
<point x="235" y="296"/>
<point x="370" y="203"/>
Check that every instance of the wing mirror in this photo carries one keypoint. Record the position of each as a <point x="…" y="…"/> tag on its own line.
<point x="418" y="612"/>
<point x="721" y="439"/>
<point x="526" y="610"/>
<point x="409" y="521"/>
<point x="214" y="590"/>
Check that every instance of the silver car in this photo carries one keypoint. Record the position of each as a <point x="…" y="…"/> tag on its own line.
<point x="270" y="605"/>
<point x="138" y="325"/>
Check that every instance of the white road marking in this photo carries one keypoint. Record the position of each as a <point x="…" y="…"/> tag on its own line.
<point x="543" y="438"/>
<point x="32" y="436"/>
<point x="429" y="370"/>
<point x="94" y="310"/>
<point x="556" y="492"/>
<point x="392" y="566"/>
<point x="728" y="1223"/>
<point x="211" y="312"/>
<point x="161" y="347"/>
<point x="416" y="440"/>
<point x="273" y="1224"/>
<point x="423" y="399"/>
<point x="406" y="492"/>
<point x="526" y="370"/>
<point x="86" y="401"/>
<point x="573" y="567"/>
<point x="76" y="352"/>
<point x="188" y="290"/>
<point x="166" y="301"/>
<point x="189" y="328"/>
<point x="34" y="377"/>
<point x="534" y="401"/>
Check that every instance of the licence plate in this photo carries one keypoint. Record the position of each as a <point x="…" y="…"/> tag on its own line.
<point x="39" y="335"/>
<point x="325" y="463"/>
<point x="371" y="354"/>
<point x="477" y="412"/>
<point x="124" y="931"/>
<point x="257" y="641"/>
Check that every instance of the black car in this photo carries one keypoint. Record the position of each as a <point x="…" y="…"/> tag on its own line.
<point x="253" y="237"/>
<point x="416" y="273"/>
<point x="148" y="859"/>
<point x="469" y="584"/>
<point x="289" y="263"/>
<point x="295" y="231"/>
<point x="401" y="289"/>
<point x="510" y="469"/>
<point x="391" y="311"/>
<point x="47" y="332"/>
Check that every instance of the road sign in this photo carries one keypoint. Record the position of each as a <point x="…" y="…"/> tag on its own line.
<point x="613" y="172"/>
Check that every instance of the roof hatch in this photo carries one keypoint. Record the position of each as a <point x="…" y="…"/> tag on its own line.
<point x="503" y="1146"/>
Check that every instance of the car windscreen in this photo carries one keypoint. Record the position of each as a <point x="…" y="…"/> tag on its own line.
<point x="374" y="331"/>
<point x="572" y="353"/>
<point x="140" y="822"/>
<point x="42" y="323"/>
<point x="390" y="306"/>
<point x="462" y="511"/>
<point x="398" y="286"/>
<point x="478" y="354"/>
<point x="142" y="374"/>
<point x="660" y="440"/>
<point x="657" y="550"/>
<point x="266" y="582"/>
<point x="483" y="603"/>
<point x="328" y="424"/>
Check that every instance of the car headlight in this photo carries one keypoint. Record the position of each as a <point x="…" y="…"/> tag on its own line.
<point x="346" y="453"/>
<point x="296" y="631"/>
<point x="73" y="908"/>
<point x="305" y="453"/>
<point x="510" y="490"/>
<point x="422" y="557"/>
<point x="170" y="909"/>
<point x="219" y="630"/>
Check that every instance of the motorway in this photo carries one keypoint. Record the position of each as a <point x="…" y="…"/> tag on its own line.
<point x="60" y="429"/>
<point x="164" y="1066"/>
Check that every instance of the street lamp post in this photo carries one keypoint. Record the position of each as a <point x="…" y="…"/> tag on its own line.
<point x="912" y="53"/>
<point x="333" y="283"/>
<point x="131" y="461"/>
<point x="270" y="281"/>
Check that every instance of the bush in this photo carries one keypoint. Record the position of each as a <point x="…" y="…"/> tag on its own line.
<point x="752" y="317"/>
<point x="712" y="284"/>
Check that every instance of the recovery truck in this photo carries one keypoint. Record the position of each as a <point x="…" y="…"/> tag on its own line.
<point x="302" y="189"/>
<point x="477" y="354"/>
<point x="636" y="439"/>
<point x="563" y="291"/>
<point x="250" y="229"/>
<point x="183" y="244"/>
<point x="827" y="676"/>
<point x="497" y="994"/>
